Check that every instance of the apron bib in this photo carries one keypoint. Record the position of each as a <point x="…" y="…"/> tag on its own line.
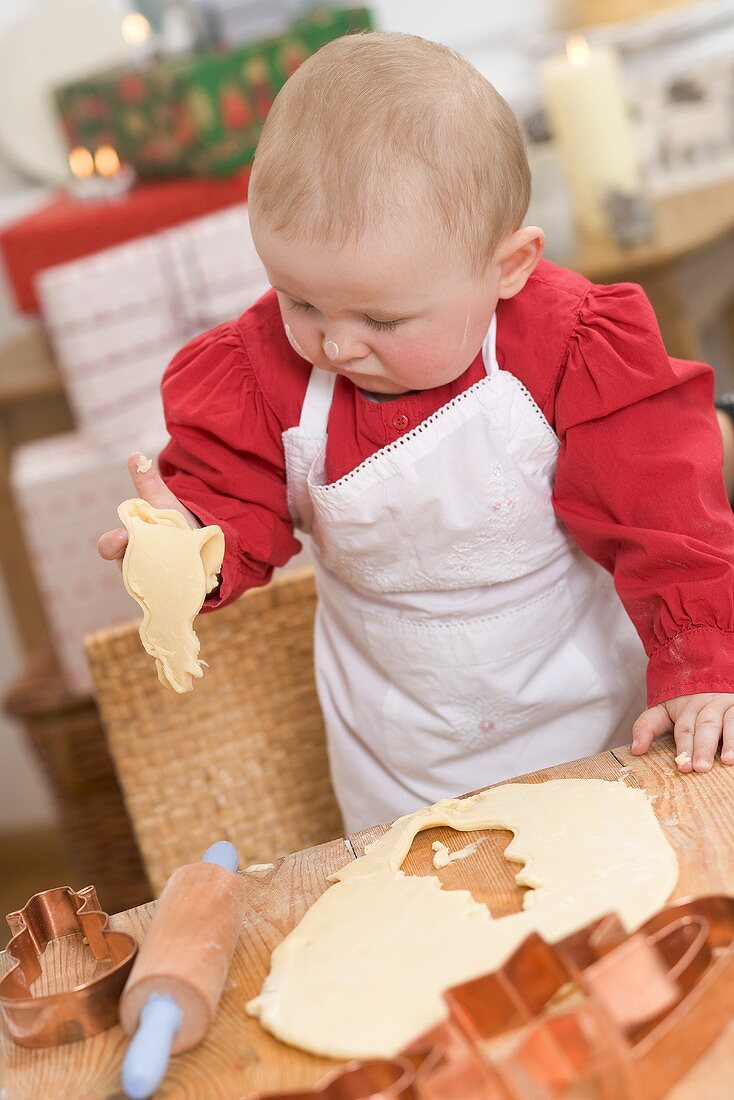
<point x="461" y="637"/>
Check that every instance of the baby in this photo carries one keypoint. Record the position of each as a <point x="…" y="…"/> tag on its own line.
<point x="515" y="495"/>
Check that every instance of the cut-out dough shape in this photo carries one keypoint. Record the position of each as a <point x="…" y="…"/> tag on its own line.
<point x="168" y="569"/>
<point x="363" y="973"/>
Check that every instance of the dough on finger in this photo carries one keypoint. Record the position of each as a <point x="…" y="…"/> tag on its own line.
<point x="168" y="569"/>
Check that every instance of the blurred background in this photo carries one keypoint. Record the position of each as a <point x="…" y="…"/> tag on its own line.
<point x="126" y="132"/>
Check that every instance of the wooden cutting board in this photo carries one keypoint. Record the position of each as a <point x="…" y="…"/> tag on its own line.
<point x="696" y="812"/>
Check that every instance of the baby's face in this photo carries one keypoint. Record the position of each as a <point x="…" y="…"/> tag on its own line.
<point x="388" y="313"/>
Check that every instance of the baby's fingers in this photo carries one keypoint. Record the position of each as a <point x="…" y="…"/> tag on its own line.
<point x="150" y="486"/>
<point x="652" y="723"/>
<point x="683" y="731"/>
<point x="727" y="746"/>
<point x="706" y="738"/>
<point x="112" y="544"/>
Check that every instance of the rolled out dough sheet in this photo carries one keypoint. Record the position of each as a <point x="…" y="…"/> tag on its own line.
<point x="168" y="569"/>
<point x="363" y="973"/>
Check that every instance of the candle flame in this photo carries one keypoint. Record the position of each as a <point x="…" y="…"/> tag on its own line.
<point x="135" y="28"/>
<point x="106" y="161"/>
<point x="577" y="50"/>
<point x="81" y="162"/>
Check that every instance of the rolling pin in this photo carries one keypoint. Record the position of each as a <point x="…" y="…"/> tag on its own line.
<point x="174" y="987"/>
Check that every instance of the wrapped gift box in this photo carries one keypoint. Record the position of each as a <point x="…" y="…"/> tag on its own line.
<point x="66" y="492"/>
<point x="215" y="269"/>
<point x="113" y="325"/>
<point x="199" y="115"/>
<point x="117" y="317"/>
<point x="65" y="230"/>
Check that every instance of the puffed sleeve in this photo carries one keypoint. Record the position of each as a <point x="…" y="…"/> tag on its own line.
<point x="639" y="486"/>
<point x="225" y="458"/>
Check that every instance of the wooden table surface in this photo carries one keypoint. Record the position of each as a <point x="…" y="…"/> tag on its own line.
<point x="695" y="811"/>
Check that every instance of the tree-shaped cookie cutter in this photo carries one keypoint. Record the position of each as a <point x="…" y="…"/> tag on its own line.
<point x="601" y="1014"/>
<point x="75" y="1013"/>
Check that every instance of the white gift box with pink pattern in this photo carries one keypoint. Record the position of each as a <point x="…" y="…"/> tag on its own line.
<point x="67" y="494"/>
<point x="115" y="319"/>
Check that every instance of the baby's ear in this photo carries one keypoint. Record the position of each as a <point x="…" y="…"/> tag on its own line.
<point x="517" y="259"/>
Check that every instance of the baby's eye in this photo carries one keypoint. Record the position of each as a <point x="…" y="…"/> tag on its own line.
<point x="300" y="305"/>
<point x="382" y="326"/>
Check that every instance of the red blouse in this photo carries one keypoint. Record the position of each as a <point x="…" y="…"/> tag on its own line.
<point x="638" y="481"/>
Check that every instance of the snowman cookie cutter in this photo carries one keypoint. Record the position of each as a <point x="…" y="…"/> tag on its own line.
<point x="71" y="1014"/>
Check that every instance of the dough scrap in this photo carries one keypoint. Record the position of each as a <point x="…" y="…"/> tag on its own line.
<point x="683" y="758"/>
<point x="443" y="856"/>
<point x="362" y="974"/>
<point x="168" y="569"/>
<point x="145" y="465"/>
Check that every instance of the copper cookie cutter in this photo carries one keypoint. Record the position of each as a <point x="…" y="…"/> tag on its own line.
<point x="74" y="1013"/>
<point x="624" y="1016"/>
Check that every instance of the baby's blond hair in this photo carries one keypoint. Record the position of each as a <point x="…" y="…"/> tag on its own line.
<point x="375" y="125"/>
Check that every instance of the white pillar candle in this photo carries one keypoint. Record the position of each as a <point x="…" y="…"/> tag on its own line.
<point x="587" y="112"/>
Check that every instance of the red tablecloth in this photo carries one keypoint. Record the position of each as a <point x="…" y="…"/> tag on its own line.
<point x="65" y="230"/>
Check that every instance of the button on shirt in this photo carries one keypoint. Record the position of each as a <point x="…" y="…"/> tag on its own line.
<point x="638" y="479"/>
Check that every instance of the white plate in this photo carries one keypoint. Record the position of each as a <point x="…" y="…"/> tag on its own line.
<point x="57" y="41"/>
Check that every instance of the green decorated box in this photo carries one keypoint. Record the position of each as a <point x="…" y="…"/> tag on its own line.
<point x="200" y="115"/>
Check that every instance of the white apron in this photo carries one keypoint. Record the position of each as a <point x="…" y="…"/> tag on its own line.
<point x="462" y="638"/>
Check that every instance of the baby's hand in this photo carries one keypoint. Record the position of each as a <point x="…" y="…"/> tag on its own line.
<point x="699" y="722"/>
<point x="148" y="486"/>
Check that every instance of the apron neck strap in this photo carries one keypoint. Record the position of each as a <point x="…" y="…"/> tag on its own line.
<point x="489" y="348"/>
<point x="317" y="403"/>
<point x="320" y="389"/>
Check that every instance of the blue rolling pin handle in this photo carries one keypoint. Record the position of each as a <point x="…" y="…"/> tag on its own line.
<point x="223" y="853"/>
<point x="147" y="1057"/>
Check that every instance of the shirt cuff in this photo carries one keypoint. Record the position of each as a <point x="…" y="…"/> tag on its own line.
<point x="235" y="577"/>
<point x="700" y="659"/>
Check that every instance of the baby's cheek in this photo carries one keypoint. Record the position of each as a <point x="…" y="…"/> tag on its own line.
<point x="423" y="363"/>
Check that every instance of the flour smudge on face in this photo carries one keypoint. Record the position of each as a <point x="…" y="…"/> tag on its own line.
<point x="466" y="329"/>
<point x="295" y="345"/>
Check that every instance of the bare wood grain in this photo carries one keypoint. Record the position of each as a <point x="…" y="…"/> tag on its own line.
<point x="696" y="813"/>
